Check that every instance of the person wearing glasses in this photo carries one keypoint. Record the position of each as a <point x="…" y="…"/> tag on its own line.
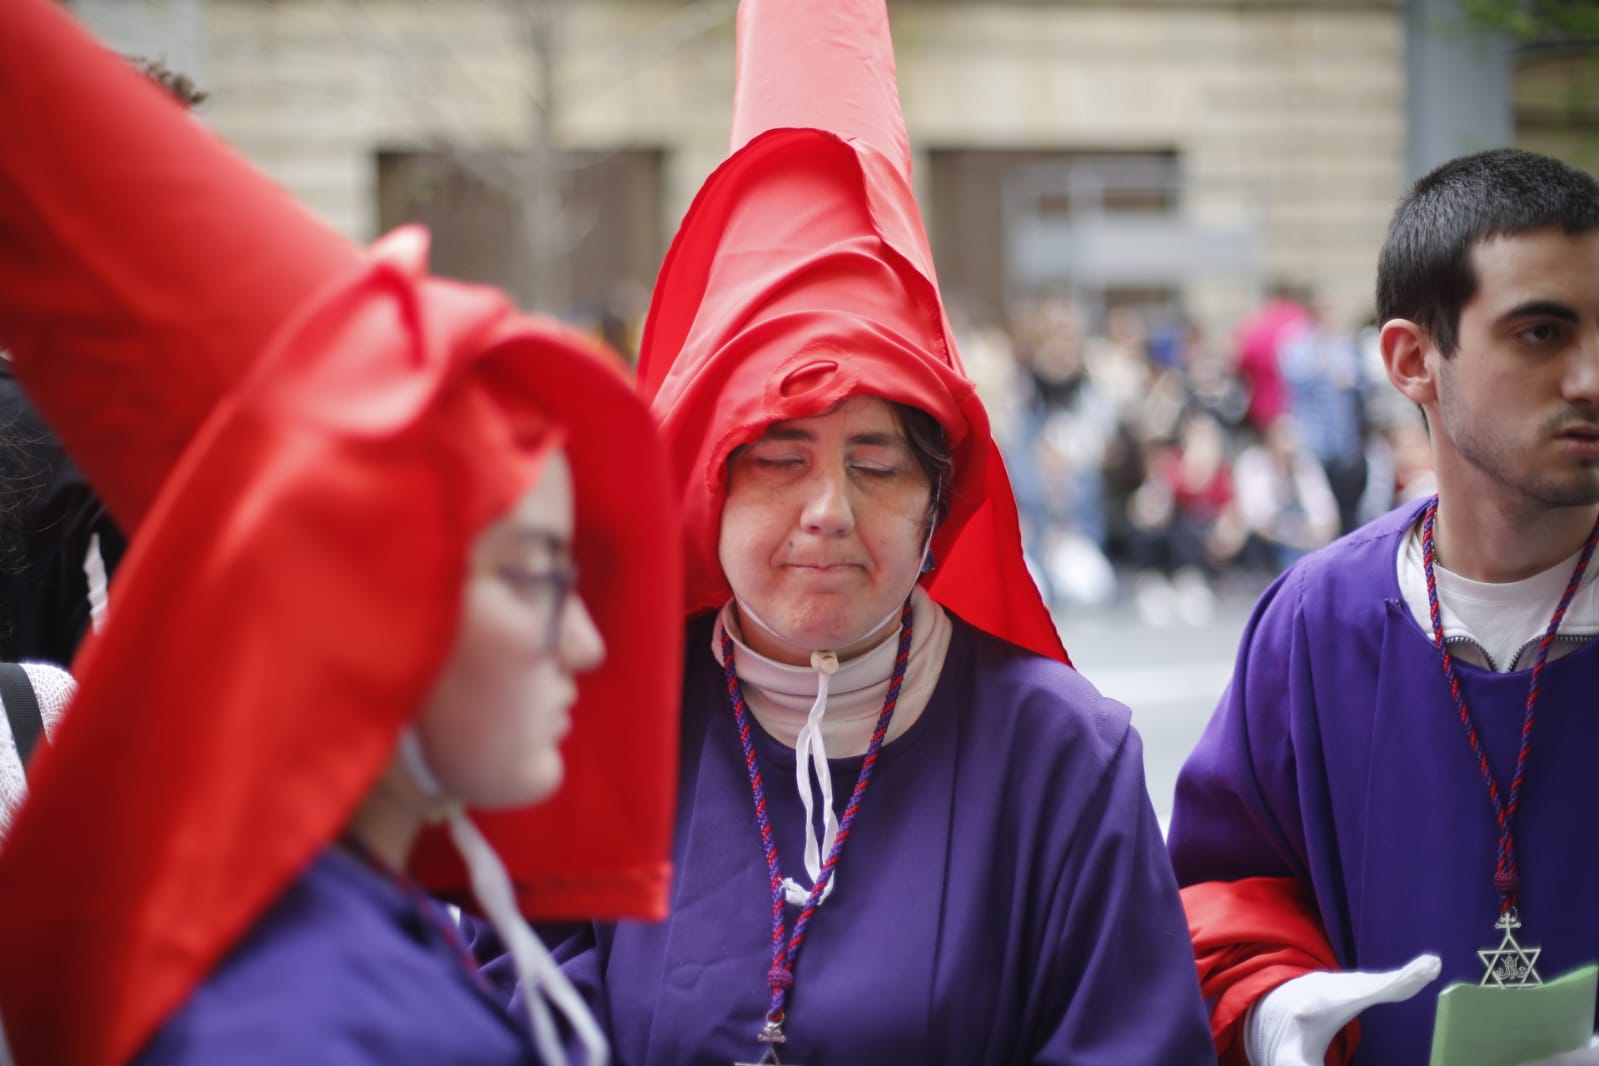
<point x="399" y="619"/>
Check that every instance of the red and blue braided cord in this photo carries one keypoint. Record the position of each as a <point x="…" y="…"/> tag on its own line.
<point x="781" y="975"/>
<point x="1507" y="878"/>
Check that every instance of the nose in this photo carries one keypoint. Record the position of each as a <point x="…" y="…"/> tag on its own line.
<point x="1582" y="376"/>
<point x="828" y="511"/>
<point x="581" y="648"/>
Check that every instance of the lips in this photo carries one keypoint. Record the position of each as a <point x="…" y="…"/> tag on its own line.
<point x="563" y="699"/>
<point x="818" y="576"/>
<point x="1579" y="442"/>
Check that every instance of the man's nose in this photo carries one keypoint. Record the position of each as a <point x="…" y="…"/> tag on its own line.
<point x="1582" y="373"/>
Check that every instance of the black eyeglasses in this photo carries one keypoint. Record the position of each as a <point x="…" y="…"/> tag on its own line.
<point x="549" y="590"/>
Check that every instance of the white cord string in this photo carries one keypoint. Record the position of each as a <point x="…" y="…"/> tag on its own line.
<point x="541" y="979"/>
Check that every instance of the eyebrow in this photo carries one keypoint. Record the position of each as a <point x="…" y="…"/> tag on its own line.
<point x="1540" y="309"/>
<point x="782" y="432"/>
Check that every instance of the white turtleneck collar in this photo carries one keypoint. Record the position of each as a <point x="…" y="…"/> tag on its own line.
<point x="833" y="714"/>
<point x="780" y="695"/>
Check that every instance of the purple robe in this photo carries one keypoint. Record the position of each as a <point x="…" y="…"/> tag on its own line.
<point x="1337" y="756"/>
<point x="346" y="969"/>
<point x="1004" y="896"/>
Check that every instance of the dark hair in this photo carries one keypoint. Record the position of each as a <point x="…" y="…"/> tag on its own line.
<point x="180" y="87"/>
<point x="931" y="449"/>
<point x="1425" y="272"/>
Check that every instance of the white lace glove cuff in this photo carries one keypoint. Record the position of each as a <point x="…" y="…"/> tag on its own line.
<point x="1293" y="1024"/>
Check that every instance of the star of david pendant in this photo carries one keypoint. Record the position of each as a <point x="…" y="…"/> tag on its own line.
<point x="1510" y="965"/>
<point x="771" y="1036"/>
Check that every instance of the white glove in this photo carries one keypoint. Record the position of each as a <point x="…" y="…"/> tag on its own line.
<point x="1293" y="1024"/>
<point x="1588" y="1056"/>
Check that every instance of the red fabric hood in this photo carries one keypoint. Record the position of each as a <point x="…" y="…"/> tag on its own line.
<point x="294" y="582"/>
<point x="801" y="276"/>
<point x="133" y="239"/>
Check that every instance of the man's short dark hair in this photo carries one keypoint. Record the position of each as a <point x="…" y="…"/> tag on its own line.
<point x="1425" y="273"/>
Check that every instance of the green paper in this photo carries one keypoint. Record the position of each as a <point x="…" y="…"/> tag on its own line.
<point x="1479" y="1026"/>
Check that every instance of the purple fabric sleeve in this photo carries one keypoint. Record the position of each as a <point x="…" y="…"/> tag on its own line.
<point x="1237" y="811"/>
<point x="346" y="969"/>
<point x="1337" y="757"/>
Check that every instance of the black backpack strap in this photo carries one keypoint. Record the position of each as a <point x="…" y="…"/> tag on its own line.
<point x="22" y="709"/>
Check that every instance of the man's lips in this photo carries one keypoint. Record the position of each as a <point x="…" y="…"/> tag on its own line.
<point x="1579" y="441"/>
<point x="1584" y="432"/>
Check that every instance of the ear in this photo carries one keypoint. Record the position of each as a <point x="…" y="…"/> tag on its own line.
<point x="1411" y="360"/>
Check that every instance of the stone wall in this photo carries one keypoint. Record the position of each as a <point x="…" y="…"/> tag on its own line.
<point x="1285" y="116"/>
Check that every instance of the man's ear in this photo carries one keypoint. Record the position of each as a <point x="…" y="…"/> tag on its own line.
<point x="1411" y="360"/>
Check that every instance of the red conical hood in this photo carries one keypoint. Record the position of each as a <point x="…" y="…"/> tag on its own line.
<point x="295" y="584"/>
<point x="142" y="245"/>
<point x="801" y="276"/>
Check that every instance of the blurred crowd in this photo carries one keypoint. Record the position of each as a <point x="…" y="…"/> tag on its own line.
<point x="1156" y="462"/>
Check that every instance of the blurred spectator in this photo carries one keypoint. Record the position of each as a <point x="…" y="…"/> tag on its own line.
<point x="1185" y="522"/>
<point x="1414" y="478"/>
<point x="1211" y="381"/>
<point x="58" y="546"/>
<point x="30" y="717"/>
<point x="1259" y="340"/>
<point x="179" y="86"/>
<point x="1139" y="450"/>
<point x="1064" y="426"/>
<point x="1119" y="361"/>
<point x="1321" y="365"/>
<point x="1384" y="405"/>
<point x="1284" y="501"/>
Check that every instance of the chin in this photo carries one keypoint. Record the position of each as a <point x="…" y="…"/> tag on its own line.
<point x="546" y="781"/>
<point x="536" y="780"/>
<point x="819" y="634"/>
<point x="1578" y="491"/>
<point x="835" y="616"/>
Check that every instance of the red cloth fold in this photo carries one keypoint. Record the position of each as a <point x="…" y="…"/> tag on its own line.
<point x="134" y="239"/>
<point x="1249" y="937"/>
<point x="801" y="276"/>
<point x="309" y="445"/>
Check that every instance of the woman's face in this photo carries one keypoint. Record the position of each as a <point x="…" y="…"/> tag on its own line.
<point x="824" y="530"/>
<point x="492" y="728"/>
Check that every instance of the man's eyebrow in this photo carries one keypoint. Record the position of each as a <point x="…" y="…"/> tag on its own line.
<point x="1541" y="309"/>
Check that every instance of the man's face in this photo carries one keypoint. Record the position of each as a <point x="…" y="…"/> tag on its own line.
<point x="1518" y="401"/>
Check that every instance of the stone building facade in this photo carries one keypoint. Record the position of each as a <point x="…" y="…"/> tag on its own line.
<point x="1177" y="153"/>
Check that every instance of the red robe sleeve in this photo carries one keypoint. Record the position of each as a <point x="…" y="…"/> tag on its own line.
<point x="1249" y="937"/>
